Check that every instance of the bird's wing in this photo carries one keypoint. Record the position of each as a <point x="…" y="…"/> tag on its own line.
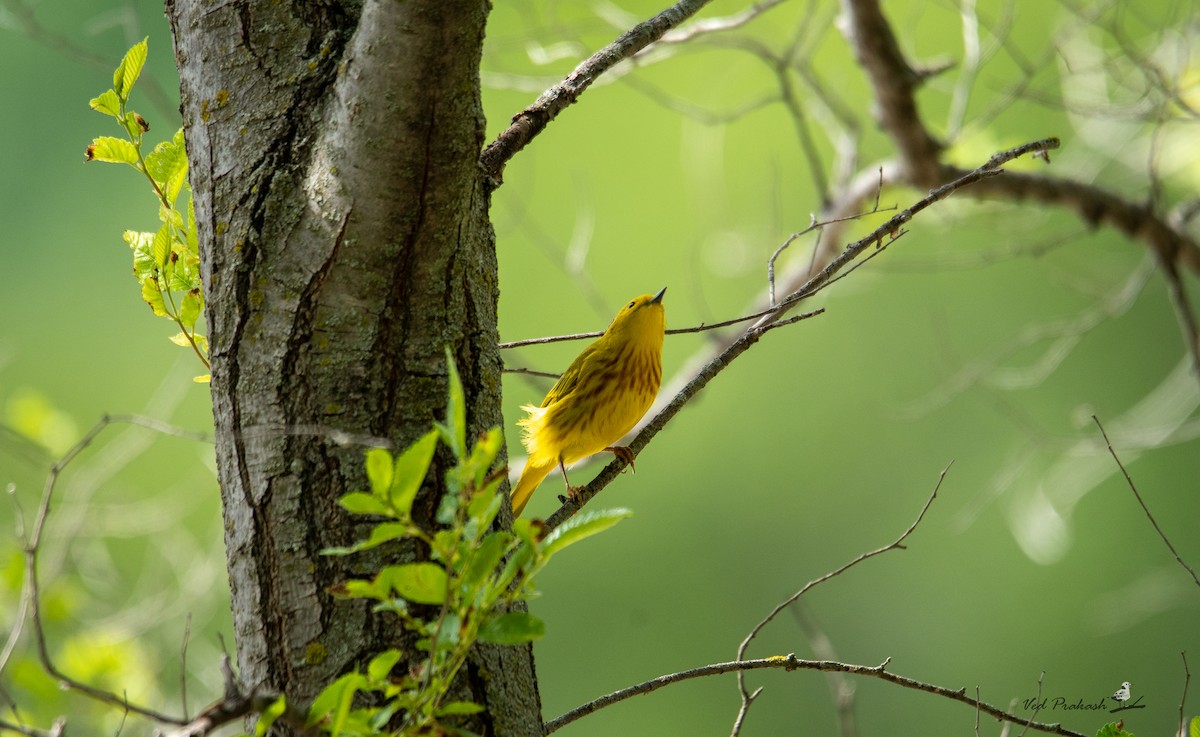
<point x="570" y="378"/>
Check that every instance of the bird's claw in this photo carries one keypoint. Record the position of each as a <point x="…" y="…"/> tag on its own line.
<point x="624" y="453"/>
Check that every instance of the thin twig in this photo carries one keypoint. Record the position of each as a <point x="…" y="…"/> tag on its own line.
<point x="1187" y="678"/>
<point x="791" y="662"/>
<point x="31" y="591"/>
<point x="898" y="543"/>
<point x="1138" y="496"/>
<point x="187" y="633"/>
<point x="1037" y="705"/>
<point x="751" y="334"/>
<point x="531" y="121"/>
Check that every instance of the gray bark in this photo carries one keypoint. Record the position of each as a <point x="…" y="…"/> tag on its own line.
<point x="345" y="241"/>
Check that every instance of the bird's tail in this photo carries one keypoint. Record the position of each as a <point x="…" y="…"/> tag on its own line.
<point x="530" y="478"/>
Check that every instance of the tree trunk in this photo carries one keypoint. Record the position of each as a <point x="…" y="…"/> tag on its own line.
<point x="345" y="241"/>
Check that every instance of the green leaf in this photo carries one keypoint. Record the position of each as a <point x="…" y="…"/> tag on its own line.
<point x="1112" y="730"/>
<point x="189" y="310"/>
<point x="487" y="557"/>
<point x="514" y="628"/>
<point x="192" y="240"/>
<point x="107" y="103"/>
<point x="268" y="716"/>
<point x="381" y="665"/>
<point x="130" y="68"/>
<point x="458" y="708"/>
<point x="356" y="588"/>
<point x="379" y="471"/>
<point x="160" y="247"/>
<point x="153" y="295"/>
<point x="455" y="428"/>
<point x="113" y="150"/>
<point x="131" y="126"/>
<point x="167" y="165"/>
<point x="1194" y="727"/>
<point x="410" y="470"/>
<point x="380" y="534"/>
<point x="141" y="243"/>
<point x="332" y="705"/>
<point x="581" y="526"/>
<point x="420" y="583"/>
<point x="357" y="502"/>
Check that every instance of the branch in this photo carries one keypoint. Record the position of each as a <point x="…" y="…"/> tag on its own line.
<point x="1142" y="502"/>
<point x="32" y="543"/>
<point x="790" y="663"/>
<point x="750" y="335"/>
<point x="898" y="543"/>
<point x="895" y="83"/>
<point x="531" y="121"/>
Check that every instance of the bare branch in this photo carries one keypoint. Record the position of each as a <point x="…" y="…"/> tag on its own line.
<point x="1187" y="678"/>
<point x="531" y="121"/>
<point x="751" y="334"/>
<point x="790" y="663"/>
<point x="32" y="543"/>
<point x="1142" y="503"/>
<point x="898" y="543"/>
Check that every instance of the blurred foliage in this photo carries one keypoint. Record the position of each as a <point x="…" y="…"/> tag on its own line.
<point x="988" y="335"/>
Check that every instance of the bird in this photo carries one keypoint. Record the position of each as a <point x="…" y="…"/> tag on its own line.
<point x="1122" y="693"/>
<point x="598" y="399"/>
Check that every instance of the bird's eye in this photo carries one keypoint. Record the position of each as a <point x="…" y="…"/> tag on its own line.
<point x="630" y="306"/>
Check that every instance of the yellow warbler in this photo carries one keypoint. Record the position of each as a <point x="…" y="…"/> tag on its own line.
<point x="599" y="398"/>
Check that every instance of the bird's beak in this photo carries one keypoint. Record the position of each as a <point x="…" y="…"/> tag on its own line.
<point x="658" y="297"/>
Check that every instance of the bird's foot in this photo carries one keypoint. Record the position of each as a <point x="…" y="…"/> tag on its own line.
<point x="624" y="453"/>
<point x="573" y="494"/>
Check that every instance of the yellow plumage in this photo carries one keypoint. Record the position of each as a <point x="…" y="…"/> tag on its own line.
<point x="598" y="399"/>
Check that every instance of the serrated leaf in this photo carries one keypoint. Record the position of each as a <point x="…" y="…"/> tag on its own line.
<point x="140" y="243"/>
<point x="113" y="150"/>
<point x="130" y="68"/>
<point x="1194" y="727"/>
<point x="455" y="427"/>
<point x="514" y="628"/>
<point x="152" y="295"/>
<point x="181" y="339"/>
<point x="420" y="583"/>
<point x="410" y="470"/>
<point x="202" y="379"/>
<point x="107" y="103"/>
<point x="357" y="588"/>
<point x="192" y="240"/>
<point x="167" y="164"/>
<point x="201" y="342"/>
<point x="381" y="665"/>
<point x="357" y="502"/>
<point x="379" y="471"/>
<point x="581" y="526"/>
<point x="268" y="716"/>
<point x="189" y="310"/>
<point x="458" y="708"/>
<point x="160" y="247"/>
<point x="132" y="127"/>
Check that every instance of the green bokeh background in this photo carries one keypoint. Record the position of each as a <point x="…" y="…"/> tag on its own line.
<point x="819" y="444"/>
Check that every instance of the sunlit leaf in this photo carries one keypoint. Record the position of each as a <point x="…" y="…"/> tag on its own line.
<point x="112" y="150"/>
<point x="153" y="295"/>
<point x="107" y="103"/>
<point x="130" y="68"/>
<point x="160" y="247"/>
<point x="189" y="309"/>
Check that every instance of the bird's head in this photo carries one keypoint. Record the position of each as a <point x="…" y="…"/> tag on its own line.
<point x="642" y="316"/>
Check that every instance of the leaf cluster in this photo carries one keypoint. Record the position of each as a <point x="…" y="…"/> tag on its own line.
<point x="166" y="262"/>
<point x="473" y="582"/>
